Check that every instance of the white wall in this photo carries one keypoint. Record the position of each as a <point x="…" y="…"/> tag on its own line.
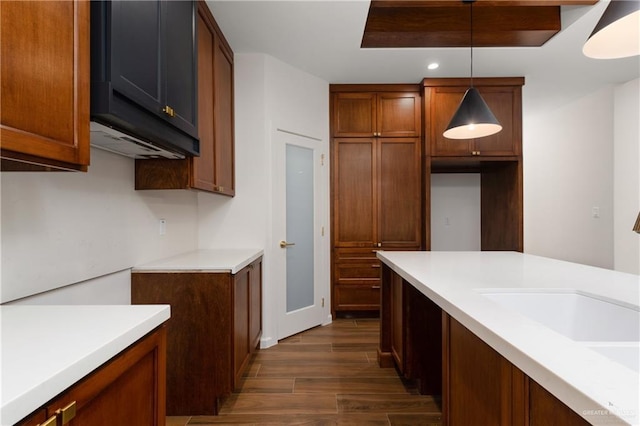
<point x="269" y="94"/>
<point x="568" y="170"/>
<point x="626" y="177"/>
<point x="455" y="212"/>
<point x="62" y="228"/>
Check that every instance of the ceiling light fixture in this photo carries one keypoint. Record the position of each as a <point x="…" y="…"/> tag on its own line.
<point x="473" y="118"/>
<point x="433" y="66"/>
<point x="617" y="34"/>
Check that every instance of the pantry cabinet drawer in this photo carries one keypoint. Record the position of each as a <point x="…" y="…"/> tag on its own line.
<point x="357" y="297"/>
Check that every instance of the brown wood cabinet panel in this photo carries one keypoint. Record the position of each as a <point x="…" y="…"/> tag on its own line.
<point x="501" y="207"/>
<point x="241" y="351"/>
<point x="354" y="114"/>
<point x="44" y="85"/>
<point x="356" y="297"/>
<point x="129" y="389"/>
<point x="398" y="114"/>
<point x="399" y="180"/>
<point x="398" y="321"/>
<point x="215" y="326"/>
<point x="255" y="305"/>
<point x="504" y="98"/>
<point x="199" y="350"/>
<point x="382" y="114"/>
<point x="479" y="380"/>
<point x="214" y="169"/>
<point x="547" y="410"/>
<point x="354" y="192"/>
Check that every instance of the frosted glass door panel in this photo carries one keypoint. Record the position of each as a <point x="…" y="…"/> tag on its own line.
<point x="299" y="194"/>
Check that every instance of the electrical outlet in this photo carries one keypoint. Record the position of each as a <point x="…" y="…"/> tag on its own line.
<point x="595" y="212"/>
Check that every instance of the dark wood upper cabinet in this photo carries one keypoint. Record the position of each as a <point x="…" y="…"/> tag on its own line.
<point x="504" y="98"/>
<point x="144" y="70"/>
<point x="384" y="114"/>
<point x="214" y="169"/>
<point x="45" y="121"/>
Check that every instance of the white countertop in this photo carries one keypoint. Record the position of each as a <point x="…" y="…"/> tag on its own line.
<point x="46" y="349"/>
<point x="601" y="390"/>
<point x="215" y="260"/>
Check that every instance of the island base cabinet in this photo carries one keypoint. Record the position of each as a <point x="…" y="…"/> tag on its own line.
<point x="477" y="385"/>
<point x="130" y="389"/>
<point x="482" y="387"/>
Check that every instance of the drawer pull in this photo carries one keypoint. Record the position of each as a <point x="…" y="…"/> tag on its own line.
<point x="67" y="413"/>
<point x="375" y="287"/>
<point x="51" y="421"/>
<point x="375" y="266"/>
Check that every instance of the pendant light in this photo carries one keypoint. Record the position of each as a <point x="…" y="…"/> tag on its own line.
<point x="617" y="34"/>
<point x="473" y="118"/>
<point x="636" y="227"/>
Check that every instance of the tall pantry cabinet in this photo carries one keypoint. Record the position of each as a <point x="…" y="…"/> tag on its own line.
<point x="376" y="186"/>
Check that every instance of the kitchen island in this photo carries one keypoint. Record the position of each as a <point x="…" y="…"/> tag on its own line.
<point x="594" y="376"/>
<point x="46" y="350"/>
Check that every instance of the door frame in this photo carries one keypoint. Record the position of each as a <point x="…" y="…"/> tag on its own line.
<point x="321" y="220"/>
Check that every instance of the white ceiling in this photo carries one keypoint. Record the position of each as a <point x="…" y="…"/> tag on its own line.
<point x="323" y="38"/>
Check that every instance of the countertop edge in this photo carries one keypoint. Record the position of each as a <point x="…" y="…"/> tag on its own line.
<point x="233" y="261"/>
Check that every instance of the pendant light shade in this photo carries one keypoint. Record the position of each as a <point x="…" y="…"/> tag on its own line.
<point x="636" y="227"/>
<point x="617" y="34"/>
<point x="473" y="118"/>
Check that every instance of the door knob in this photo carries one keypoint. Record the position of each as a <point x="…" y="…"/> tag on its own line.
<point x="284" y="244"/>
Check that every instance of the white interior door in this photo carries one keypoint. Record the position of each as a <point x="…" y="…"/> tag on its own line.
<point x="298" y="233"/>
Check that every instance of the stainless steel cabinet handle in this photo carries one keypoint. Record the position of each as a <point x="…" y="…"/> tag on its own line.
<point x="284" y="244"/>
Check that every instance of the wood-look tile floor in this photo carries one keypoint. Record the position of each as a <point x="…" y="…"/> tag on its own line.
<point x="324" y="376"/>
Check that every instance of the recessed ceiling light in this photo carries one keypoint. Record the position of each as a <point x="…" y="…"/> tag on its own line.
<point x="433" y="65"/>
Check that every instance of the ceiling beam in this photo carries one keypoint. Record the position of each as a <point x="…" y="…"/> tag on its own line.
<point x="437" y="23"/>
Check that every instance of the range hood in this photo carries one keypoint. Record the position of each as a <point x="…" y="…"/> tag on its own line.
<point x="141" y="106"/>
<point x="109" y="139"/>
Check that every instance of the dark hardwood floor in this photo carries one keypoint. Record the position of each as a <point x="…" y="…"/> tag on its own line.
<point x="324" y="376"/>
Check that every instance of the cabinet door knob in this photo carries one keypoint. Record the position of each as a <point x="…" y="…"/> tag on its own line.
<point x="169" y="111"/>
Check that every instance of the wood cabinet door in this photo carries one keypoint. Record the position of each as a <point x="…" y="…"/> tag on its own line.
<point x="355" y="194"/>
<point x="223" y="120"/>
<point x="241" y="349"/>
<point x="128" y="390"/>
<point x="398" y="114"/>
<point x="399" y="182"/>
<point x="443" y="103"/>
<point x="180" y="78"/>
<point x="478" y="383"/>
<point x="45" y="83"/>
<point x="214" y="170"/>
<point x="504" y="102"/>
<point x="354" y="114"/>
<point x="203" y="172"/>
<point x="255" y="305"/>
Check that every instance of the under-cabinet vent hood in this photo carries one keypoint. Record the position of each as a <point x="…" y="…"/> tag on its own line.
<point x="112" y="140"/>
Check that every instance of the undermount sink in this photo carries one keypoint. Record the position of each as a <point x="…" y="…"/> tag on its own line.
<point x="579" y="316"/>
<point x="609" y="328"/>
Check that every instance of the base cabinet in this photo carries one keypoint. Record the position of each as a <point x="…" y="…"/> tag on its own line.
<point x="478" y="386"/>
<point x="214" y="329"/>
<point x="130" y="389"/>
